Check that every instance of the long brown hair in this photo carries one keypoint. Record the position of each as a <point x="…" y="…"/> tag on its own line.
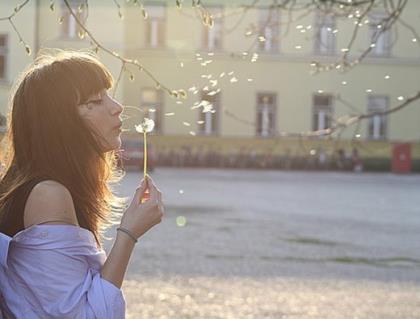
<point x="47" y="137"/>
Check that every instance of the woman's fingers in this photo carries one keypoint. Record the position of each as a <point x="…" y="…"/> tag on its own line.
<point x="155" y="193"/>
<point x="140" y="190"/>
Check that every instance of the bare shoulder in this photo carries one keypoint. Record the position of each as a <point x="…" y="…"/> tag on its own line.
<point x="49" y="201"/>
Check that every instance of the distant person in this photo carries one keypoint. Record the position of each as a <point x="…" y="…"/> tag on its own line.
<point x="341" y="159"/>
<point x="322" y="159"/>
<point x="356" y="161"/>
<point x="55" y="200"/>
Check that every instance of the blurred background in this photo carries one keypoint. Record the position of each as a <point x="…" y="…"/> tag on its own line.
<point x="286" y="144"/>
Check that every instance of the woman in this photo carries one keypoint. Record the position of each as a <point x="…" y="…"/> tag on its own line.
<point x="64" y="130"/>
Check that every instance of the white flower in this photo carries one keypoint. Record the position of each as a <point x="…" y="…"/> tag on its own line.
<point x="145" y="127"/>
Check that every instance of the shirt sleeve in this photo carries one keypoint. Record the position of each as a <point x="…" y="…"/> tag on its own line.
<point x="61" y="278"/>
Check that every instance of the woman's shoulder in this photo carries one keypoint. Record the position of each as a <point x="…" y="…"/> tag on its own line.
<point x="49" y="200"/>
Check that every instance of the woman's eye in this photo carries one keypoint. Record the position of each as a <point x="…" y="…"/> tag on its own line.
<point x="96" y="101"/>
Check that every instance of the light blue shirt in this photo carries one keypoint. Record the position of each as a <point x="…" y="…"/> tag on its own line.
<point x="53" y="271"/>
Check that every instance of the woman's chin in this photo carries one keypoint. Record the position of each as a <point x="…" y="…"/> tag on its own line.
<point x="114" y="144"/>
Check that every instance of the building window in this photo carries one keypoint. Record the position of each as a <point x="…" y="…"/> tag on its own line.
<point x="266" y="114"/>
<point x="209" y="114"/>
<point x="152" y="104"/>
<point x="380" y="40"/>
<point x="155" y="25"/>
<point x="3" y="56"/>
<point x="212" y="36"/>
<point x="69" y="27"/>
<point x="377" y="125"/>
<point x="269" y="29"/>
<point x="322" y="112"/>
<point x="324" y="34"/>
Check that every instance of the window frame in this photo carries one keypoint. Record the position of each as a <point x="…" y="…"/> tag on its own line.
<point x="274" y="109"/>
<point x="316" y="108"/>
<point x="383" y="119"/>
<point x="320" y="23"/>
<point x="206" y="30"/>
<point x="4" y="51"/>
<point x="263" y="18"/>
<point x="158" y="106"/>
<point x="216" y="101"/>
<point x="374" y="19"/>
<point x="161" y="28"/>
<point x="65" y="28"/>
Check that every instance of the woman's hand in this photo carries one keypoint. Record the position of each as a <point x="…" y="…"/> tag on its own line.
<point x="140" y="217"/>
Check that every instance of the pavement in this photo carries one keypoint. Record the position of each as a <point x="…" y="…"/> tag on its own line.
<point x="277" y="244"/>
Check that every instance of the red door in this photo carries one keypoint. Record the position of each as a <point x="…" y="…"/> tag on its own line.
<point x="401" y="158"/>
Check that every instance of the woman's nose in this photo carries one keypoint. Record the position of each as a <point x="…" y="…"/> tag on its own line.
<point x="116" y="108"/>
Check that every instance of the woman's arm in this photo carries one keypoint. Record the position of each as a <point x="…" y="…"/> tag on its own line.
<point x="138" y="219"/>
<point x="116" y="264"/>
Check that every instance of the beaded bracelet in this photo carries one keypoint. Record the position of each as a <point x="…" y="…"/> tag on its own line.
<point x="128" y="233"/>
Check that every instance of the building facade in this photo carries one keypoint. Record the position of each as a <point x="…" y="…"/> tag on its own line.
<point x="248" y="76"/>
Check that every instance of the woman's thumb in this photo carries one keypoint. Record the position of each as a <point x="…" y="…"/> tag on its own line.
<point x="140" y="190"/>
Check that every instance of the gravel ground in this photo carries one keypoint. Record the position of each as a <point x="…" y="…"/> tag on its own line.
<point x="243" y="297"/>
<point x="270" y="244"/>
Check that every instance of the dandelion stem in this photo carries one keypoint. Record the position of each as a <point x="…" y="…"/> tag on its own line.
<point x="145" y="155"/>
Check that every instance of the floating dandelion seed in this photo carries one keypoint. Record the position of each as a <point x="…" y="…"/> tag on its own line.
<point x="179" y="102"/>
<point x="182" y="64"/>
<point x="152" y="110"/>
<point x="222" y="74"/>
<point x="169" y="114"/>
<point x="200" y="122"/>
<point x="231" y="72"/>
<point x="213" y="82"/>
<point x="368" y="90"/>
<point x="192" y="133"/>
<point x="181" y="221"/>
<point x="387" y="77"/>
<point x="186" y="123"/>
<point x="250" y="80"/>
<point x="400" y="98"/>
<point x="233" y="80"/>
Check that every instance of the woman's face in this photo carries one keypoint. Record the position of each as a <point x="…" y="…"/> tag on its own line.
<point x="102" y="111"/>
